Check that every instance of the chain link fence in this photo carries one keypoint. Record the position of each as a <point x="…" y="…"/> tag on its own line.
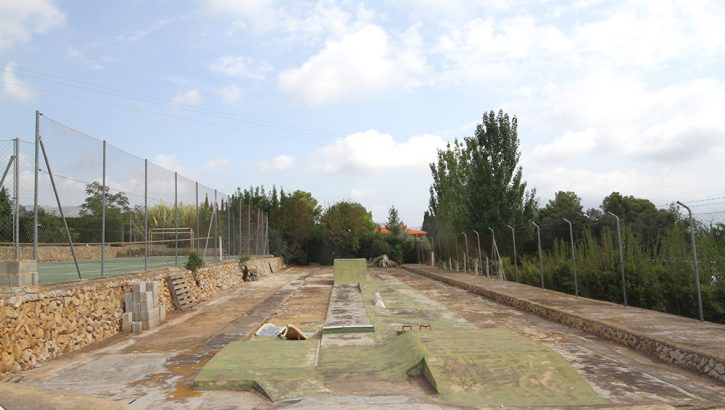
<point x="100" y="211"/>
<point x="623" y="261"/>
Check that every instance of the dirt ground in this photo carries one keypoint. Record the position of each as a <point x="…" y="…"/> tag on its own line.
<point x="155" y="369"/>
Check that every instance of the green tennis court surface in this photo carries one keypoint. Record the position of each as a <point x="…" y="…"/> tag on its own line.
<point x="65" y="271"/>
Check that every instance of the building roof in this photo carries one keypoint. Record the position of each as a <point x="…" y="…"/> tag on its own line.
<point x="409" y="231"/>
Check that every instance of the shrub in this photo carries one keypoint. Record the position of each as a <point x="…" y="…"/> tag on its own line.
<point x="194" y="262"/>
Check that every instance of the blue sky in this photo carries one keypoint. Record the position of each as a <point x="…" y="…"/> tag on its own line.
<point x="350" y="100"/>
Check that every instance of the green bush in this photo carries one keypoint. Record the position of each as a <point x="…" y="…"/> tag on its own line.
<point x="194" y="262"/>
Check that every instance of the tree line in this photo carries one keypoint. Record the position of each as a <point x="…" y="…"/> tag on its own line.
<point x="479" y="185"/>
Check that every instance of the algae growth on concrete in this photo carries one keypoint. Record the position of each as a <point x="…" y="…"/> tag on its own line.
<point x="350" y="271"/>
<point x="466" y="365"/>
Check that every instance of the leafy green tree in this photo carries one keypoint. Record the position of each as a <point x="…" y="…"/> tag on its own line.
<point x="394" y="224"/>
<point x="344" y="225"/>
<point x="296" y="223"/>
<point x="478" y="184"/>
<point x="496" y="191"/>
<point x="566" y="204"/>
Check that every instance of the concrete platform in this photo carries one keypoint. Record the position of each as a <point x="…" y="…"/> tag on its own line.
<point x="688" y="343"/>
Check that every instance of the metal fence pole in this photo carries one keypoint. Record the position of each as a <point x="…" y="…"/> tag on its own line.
<point x="198" y="230"/>
<point x="573" y="255"/>
<point x="266" y="234"/>
<point x="16" y="205"/>
<point x="176" y="218"/>
<point x="35" y="190"/>
<point x="621" y="259"/>
<point x="240" y="224"/>
<point x="694" y="256"/>
<point x="60" y="207"/>
<point x="541" y="258"/>
<point x="146" y="213"/>
<point x="249" y="227"/>
<point x="432" y="251"/>
<point x="103" y="214"/>
<point x="478" y="243"/>
<point x="493" y="246"/>
<point x="216" y="226"/>
<point x="465" y="254"/>
<point x="513" y="238"/>
<point x="229" y="228"/>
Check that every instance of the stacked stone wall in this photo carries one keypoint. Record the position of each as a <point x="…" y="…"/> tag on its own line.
<point x="41" y="323"/>
<point x="687" y="358"/>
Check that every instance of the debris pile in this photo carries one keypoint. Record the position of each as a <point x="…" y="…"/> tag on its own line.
<point x="142" y="309"/>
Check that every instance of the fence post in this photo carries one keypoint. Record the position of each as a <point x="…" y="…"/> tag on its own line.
<point x="694" y="256"/>
<point x="249" y="227"/>
<point x="176" y="218"/>
<point x="229" y="228"/>
<point x="35" y="191"/>
<point x="573" y="255"/>
<point x="103" y="214"/>
<point x="198" y="230"/>
<point x="146" y="213"/>
<point x="621" y="258"/>
<point x="60" y="208"/>
<point x="541" y="259"/>
<point x="240" y="223"/>
<point x="513" y="238"/>
<point x="16" y="188"/>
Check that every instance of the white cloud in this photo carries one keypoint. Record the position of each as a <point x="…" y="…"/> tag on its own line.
<point x="13" y="87"/>
<point x="169" y="161"/>
<point x="191" y="97"/>
<point x="365" y="62"/>
<point x="374" y="151"/>
<point x="218" y="163"/>
<point x="20" y="19"/>
<point x="143" y="33"/>
<point x="260" y="16"/>
<point x="568" y="145"/>
<point x="277" y="164"/>
<point x="231" y="93"/>
<point x="240" y="66"/>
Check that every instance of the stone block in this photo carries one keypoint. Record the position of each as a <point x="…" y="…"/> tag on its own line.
<point x="153" y="287"/>
<point x="149" y="324"/>
<point x="128" y="301"/>
<point x="127" y="317"/>
<point x="19" y="273"/>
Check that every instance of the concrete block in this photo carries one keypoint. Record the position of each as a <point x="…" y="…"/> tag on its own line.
<point x="127" y="327"/>
<point x="162" y="314"/>
<point x="127" y="317"/>
<point x="138" y="287"/>
<point x="19" y="273"/>
<point x="148" y="299"/>
<point x="153" y="287"/>
<point x="127" y="301"/>
<point x="149" y="324"/>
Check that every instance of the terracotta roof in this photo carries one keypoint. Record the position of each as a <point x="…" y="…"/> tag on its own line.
<point x="409" y="231"/>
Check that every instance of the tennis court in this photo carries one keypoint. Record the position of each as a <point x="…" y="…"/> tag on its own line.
<point x="65" y="271"/>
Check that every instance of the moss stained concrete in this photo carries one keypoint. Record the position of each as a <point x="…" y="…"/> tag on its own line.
<point x="350" y="271"/>
<point x="467" y="366"/>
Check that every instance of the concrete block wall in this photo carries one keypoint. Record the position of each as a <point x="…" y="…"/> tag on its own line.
<point x="44" y="322"/>
<point x="143" y="311"/>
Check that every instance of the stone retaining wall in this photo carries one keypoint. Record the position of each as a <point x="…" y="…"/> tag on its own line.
<point x="700" y="362"/>
<point x="40" y="323"/>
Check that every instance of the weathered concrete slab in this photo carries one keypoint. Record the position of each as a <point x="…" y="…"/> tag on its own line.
<point x="346" y="313"/>
<point x="350" y="271"/>
<point x="688" y="343"/>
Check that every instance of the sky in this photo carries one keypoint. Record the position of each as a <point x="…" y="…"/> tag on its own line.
<point x="351" y="100"/>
